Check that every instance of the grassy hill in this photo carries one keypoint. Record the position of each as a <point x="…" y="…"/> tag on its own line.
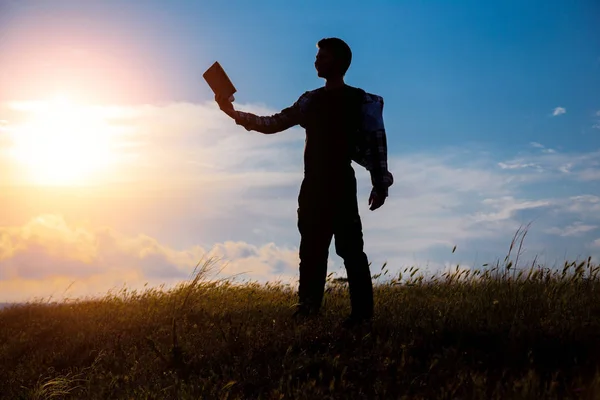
<point x="494" y="334"/>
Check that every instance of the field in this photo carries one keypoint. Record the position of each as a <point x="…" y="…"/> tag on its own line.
<point x="498" y="333"/>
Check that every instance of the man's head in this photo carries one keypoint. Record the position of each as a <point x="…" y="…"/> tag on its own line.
<point x="333" y="58"/>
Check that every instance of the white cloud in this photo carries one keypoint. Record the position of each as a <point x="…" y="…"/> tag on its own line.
<point x="565" y="168"/>
<point x="584" y="205"/>
<point x="575" y="229"/>
<point x="554" y="164"/>
<point x="589" y="174"/>
<point x="517" y="165"/>
<point x="596" y="243"/>
<point x="198" y="181"/>
<point x="559" y="111"/>
<point x="506" y="207"/>
<point x="542" y="147"/>
<point x="48" y="249"/>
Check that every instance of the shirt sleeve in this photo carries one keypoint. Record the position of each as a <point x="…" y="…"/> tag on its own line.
<point x="286" y="118"/>
<point x="375" y="153"/>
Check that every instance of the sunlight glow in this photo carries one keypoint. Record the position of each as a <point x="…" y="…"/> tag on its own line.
<point x="62" y="143"/>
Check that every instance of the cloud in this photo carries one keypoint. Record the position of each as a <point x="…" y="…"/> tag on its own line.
<point x="596" y="243"/>
<point x="554" y="165"/>
<point x="542" y="147"/>
<point x="517" y="165"/>
<point x="584" y="205"/>
<point x="575" y="229"/>
<point x="191" y="180"/>
<point x="559" y="111"/>
<point x="48" y="249"/>
<point x="590" y="174"/>
<point x="596" y="125"/>
<point x="506" y="207"/>
<point x="565" y="168"/>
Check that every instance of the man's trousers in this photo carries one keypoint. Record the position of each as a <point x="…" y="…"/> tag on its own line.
<point x="326" y="211"/>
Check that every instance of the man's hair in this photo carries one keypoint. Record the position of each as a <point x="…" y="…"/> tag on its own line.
<point x="340" y="50"/>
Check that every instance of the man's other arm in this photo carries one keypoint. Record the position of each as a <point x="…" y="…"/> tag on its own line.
<point x="376" y="146"/>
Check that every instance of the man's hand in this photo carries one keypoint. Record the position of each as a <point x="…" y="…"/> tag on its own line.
<point x="375" y="200"/>
<point x="225" y="105"/>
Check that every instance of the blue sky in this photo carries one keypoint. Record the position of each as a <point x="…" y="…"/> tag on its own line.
<point x="492" y="112"/>
<point x="451" y="73"/>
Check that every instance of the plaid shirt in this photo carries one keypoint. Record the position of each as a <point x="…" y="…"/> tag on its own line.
<point x="374" y="154"/>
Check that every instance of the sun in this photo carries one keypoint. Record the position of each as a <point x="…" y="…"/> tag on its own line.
<point x="62" y="143"/>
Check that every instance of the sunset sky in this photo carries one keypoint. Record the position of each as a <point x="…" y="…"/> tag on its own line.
<point x="117" y="168"/>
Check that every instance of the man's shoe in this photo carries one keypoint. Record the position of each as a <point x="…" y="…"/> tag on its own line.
<point x="354" y="321"/>
<point x="303" y="313"/>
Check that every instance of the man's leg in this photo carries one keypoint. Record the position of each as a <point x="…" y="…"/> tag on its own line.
<point x="349" y="245"/>
<point x="316" y="231"/>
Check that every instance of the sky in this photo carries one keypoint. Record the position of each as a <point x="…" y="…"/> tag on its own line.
<point x="117" y="168"/>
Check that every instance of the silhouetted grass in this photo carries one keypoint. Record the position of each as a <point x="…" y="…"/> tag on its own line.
<point x="501" y="333"/>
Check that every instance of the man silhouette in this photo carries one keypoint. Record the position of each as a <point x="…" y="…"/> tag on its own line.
<point x="343" y="124"/>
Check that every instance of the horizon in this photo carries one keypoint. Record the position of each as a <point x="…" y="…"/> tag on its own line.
<point x="119" y="168"/>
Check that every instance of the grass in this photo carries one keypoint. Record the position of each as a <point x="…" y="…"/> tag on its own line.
<point x="498" y="333"/>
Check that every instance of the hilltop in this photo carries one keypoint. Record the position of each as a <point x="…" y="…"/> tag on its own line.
<point x="469" y="335"/>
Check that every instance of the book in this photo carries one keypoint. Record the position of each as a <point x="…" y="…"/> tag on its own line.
<point x="219" y="82"/>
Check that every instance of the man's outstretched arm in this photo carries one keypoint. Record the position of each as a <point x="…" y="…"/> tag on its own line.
<point x="281" y="121"/>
